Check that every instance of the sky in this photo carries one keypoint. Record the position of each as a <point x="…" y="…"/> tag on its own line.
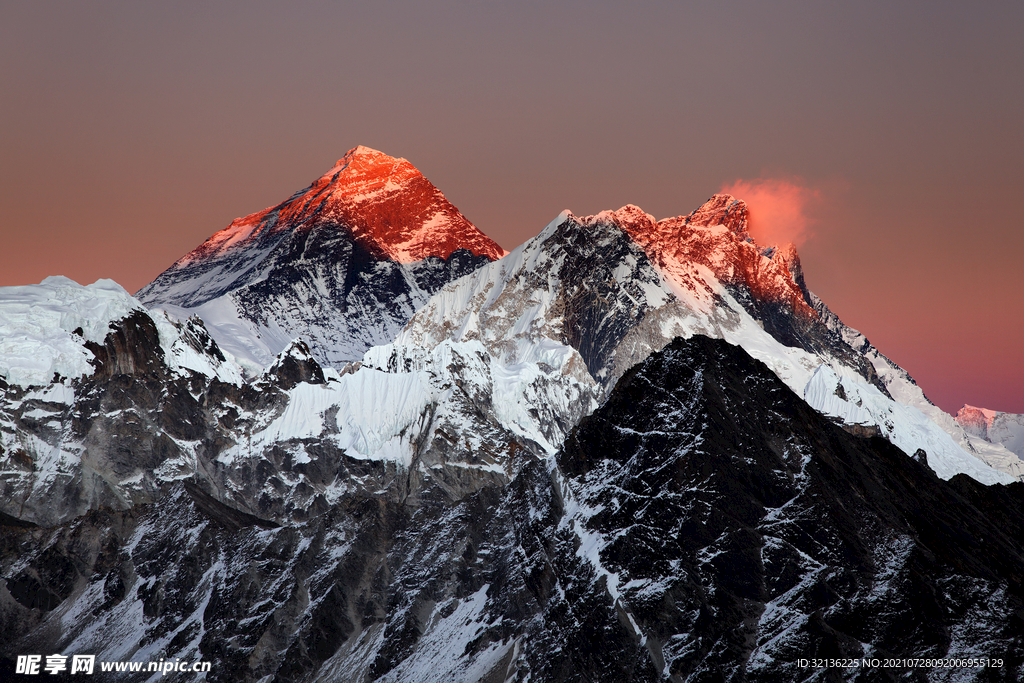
<point x="888" y="136"/>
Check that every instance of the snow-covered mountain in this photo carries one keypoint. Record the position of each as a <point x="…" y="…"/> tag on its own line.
<point x="344" y="263"/>
<point x="97" y="399"/>
<point x="902" y="387"/>
<point x="618" y="285"/>
<point x="992" y="434"/>
<point x="506" y="359"/>
<point x="629" y="450"/>
<point x="105" y="404"/>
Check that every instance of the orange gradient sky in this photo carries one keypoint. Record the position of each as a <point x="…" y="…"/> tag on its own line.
<point x="890" y="133"/>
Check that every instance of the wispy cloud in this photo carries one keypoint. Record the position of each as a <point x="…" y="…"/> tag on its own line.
<point x="778" y="209"/>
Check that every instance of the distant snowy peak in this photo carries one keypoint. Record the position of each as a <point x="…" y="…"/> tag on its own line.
<point x="44" y="328"/>
<point x="975" y="420"/>
<point x="714" y="238"/>
<point x="391" y="208"/>
<point x="1004" y="429"/>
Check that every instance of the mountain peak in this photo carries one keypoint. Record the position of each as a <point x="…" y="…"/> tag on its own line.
<point x="361" y="151"/>
<point x="715" y="237"/>
<point x="721" y="209"/>
<point x="344" y="262"/>
<point x="391" y="207"/>
<point x="367" y="156"/>
<point x="363" y="166"/>
<point x="976" y="420"/>
<point x="387" y="204"/>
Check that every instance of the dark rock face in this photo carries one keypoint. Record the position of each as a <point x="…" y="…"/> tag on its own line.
<point x="598" y="311"/>
<point x="339" y="294"/>
<point x="750" y="532"/>
<point x="295" y="366"/>
<point x="809" y="334"/>
<point x="131" y="348"/>
<point x="704" y="525"/>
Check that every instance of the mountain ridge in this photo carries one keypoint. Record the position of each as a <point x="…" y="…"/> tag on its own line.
<point x="698" y="525"/>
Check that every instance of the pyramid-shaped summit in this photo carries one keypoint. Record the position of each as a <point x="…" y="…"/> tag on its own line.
<point x="389" y="206"/>
<point x="344" y="263"/>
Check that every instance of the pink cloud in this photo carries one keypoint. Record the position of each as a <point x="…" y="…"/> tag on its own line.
<point x="777" y="209"/>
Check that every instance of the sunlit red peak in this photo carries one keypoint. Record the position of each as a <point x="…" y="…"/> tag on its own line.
<point x="715" y="237"/>
<point x="787" y="256"/>
<point x="366" y="169"/>
<point x="364" y="152"/>
<point x="630" y="218"/>
<point x="722" y="209"/>
<point x="978" y="418"/>
<point x="389" y="206"/>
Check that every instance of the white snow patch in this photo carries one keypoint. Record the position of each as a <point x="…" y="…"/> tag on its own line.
<point x="856" y="402"/>
<point x="37" y="324"/>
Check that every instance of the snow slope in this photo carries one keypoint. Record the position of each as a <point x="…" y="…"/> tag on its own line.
<point x="38" y="324"/>
<point x="902" y="387"/>
<point x="451" y="415"/>
<point x="857" y="403"/>
<point x="71" y="440"/>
